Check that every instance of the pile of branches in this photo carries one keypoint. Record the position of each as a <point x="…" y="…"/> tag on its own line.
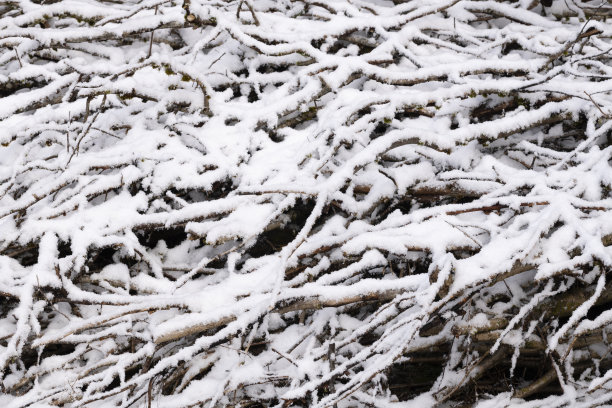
<point x="344" y="203"/>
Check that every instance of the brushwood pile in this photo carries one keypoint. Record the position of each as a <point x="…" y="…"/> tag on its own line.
<point x="305" y="203"/>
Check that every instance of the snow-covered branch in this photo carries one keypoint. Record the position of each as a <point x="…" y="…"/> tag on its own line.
<point x="305" y="203"/>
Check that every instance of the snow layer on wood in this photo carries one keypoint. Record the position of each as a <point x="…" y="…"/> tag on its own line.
<point x="300" y="203"/>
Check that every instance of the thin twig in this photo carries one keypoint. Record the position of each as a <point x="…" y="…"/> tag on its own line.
<point x="152" y="34"/>
<point x="597" y="105"/>
<point x="18" y="58"/>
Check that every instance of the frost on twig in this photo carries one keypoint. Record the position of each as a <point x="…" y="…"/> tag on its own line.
<point x="301" y="203"/>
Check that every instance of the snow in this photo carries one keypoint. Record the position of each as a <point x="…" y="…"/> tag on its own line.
<point x="179" y="180"/>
